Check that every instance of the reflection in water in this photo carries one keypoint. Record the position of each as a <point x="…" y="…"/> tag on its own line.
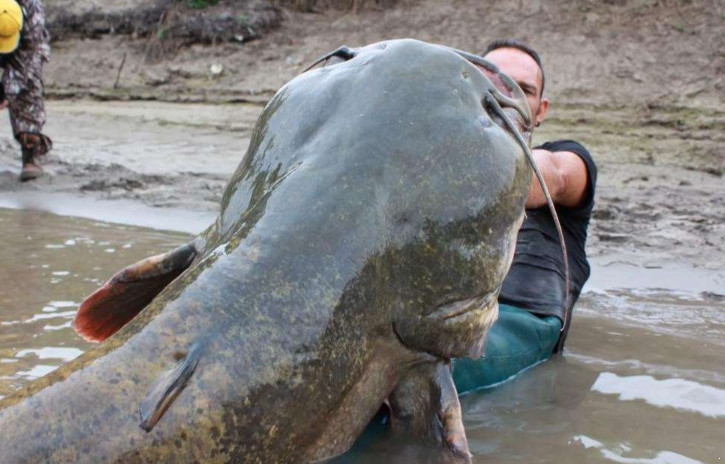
<point x="663" y="457"/>
<point x="656" y="370"/>
<point x="642" y="380"/>
<point x="64" y="354"/>
<point x="36" y="372"/>
<point x="685" y="395"/>
<point x="50" y="263"/>
<point x="671" y="313"/>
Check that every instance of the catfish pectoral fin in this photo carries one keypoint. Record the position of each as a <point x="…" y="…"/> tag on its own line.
<point x="451" y="415"/>
<point x="424" y="405"/>
<point x="167" y="389"/>
<point x="120" y="299"/>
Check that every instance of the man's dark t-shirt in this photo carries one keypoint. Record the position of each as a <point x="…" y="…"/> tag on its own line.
<point x="536" y="279"/>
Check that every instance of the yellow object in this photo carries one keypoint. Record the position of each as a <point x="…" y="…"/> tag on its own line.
<point x="11" y="23"/>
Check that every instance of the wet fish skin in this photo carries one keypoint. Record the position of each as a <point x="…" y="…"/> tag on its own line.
<point x="374" y="193"/>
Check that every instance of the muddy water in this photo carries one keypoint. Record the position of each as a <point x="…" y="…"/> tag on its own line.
<point x="642" y="381"/>
<point x="49" y="263"/>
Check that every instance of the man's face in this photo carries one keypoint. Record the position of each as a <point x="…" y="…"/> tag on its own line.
<point x="524" y="70"/>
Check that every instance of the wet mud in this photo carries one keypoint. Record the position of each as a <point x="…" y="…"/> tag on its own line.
<point x="161" y="155"/>
<point x="658" y="193"/>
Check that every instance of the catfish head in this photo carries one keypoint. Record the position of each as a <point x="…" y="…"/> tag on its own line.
<point x="457" y="200"/>
<point x="456" y="179"/>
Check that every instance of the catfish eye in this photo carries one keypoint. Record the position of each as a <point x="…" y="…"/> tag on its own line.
<point x="492" y="112"/>
<point x="333" y="60"/>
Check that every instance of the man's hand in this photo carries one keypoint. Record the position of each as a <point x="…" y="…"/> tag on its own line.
<point x="565" y="175"/>
<point x="3" y="104"/>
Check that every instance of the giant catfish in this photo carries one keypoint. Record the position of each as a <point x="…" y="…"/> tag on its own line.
<point x="361" y="244"/>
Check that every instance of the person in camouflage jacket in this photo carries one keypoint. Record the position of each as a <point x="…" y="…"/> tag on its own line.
<point x="22" y="87"/>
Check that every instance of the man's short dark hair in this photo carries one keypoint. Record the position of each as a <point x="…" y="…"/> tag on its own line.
<point x="512" y="43"/>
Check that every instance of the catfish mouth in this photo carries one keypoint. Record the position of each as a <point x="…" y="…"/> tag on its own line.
<point x="456" y="310"/>
<point x="454" y="329"/>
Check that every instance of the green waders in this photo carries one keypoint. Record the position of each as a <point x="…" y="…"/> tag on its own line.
<point x="517" y="341"/>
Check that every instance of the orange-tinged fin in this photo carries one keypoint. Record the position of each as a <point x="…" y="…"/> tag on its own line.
<point x="167" y="389"/>
<point x="120" y="299"/>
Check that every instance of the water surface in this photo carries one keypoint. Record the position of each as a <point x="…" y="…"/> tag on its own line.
<point x="642" y="380"/>
<point x="49" y="264"/>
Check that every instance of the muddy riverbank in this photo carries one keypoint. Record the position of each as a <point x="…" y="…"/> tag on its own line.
<point x="640" y="82"/>
<point x="623" y="53"/>
<point x="658" y="198"/>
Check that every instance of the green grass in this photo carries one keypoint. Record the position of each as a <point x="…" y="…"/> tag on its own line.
<point x="201" y="4"/>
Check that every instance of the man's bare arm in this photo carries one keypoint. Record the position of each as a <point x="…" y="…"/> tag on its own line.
<point x="565" y="175"/>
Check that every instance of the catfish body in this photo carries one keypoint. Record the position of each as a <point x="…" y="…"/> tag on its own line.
<point x="365" y="234"/>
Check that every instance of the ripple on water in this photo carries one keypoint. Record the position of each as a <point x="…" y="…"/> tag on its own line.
<point x="662" y="457"/>
<point x="52" y="352"/>
<point x="684" y="395"/>
<point x="680" y="313"/>
<point x="39" y="249"/>
<point x="641" y="381"/>
<point x="36" y="372"/>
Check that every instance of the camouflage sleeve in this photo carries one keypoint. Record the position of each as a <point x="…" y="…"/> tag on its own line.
<point x="24" y="68"/>
<point x="22" y="79"/>
<point x="35" y="36"/>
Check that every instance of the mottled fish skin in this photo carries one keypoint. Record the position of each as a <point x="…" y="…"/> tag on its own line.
<point x="376" y="195"/>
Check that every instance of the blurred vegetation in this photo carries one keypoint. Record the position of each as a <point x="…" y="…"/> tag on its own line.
<point x="200" y="4"/>
<point x="316" y="6"/>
